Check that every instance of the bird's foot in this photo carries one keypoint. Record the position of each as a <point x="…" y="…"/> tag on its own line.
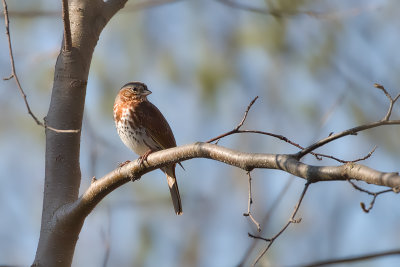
<point x="143" y="157"/>
<point x="123" y="163"/>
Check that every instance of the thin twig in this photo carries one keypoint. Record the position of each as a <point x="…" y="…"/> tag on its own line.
<point x="353" y="259"/>
<point x="374" y="194"/>
<point x="303" y="151"/>
<point x="15" y="76"/>
<point x="236" y="129"/>
<point x="250" y="202"/>
<point x="391" y="100"/>
<point x="346" y="161"/>
<point x="291" y="220"/>
<point x="278" y="136"/>
<point x="246" y="112"/>
<point x="259" y="237"/>
<point x="264" y="221"/>
<point x="353" y="131"/>
<point x="318" y="156"/>
<point x="67" y="26"/>
<point x="13" y="71"/>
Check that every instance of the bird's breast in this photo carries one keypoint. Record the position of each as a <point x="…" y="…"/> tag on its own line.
<point x="132" y="132"/>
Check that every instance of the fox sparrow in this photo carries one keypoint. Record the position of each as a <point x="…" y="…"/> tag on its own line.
<point x="143" y="128"/>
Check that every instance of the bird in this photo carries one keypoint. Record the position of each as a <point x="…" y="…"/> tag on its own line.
<point x="143" y="128"/>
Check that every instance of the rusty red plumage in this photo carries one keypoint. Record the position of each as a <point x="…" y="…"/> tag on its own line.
<point x="142" y="128"/>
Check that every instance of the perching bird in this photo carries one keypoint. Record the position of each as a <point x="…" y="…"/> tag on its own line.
<point x="143" y="128"/>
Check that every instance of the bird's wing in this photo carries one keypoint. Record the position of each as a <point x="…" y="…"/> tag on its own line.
<point x="156" y="125"/>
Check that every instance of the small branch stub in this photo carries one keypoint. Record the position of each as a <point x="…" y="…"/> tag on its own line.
<point x="67" y="27"/>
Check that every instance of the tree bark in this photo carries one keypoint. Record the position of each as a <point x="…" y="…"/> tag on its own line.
<point x="59" y="234"/>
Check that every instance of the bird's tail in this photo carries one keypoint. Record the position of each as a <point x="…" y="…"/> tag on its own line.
<point x="173" y="188"/>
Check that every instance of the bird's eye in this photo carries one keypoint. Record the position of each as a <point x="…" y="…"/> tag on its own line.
<point x="134" y="89"/>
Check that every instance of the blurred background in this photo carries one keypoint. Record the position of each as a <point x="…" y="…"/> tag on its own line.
<point x="312" y="64"/>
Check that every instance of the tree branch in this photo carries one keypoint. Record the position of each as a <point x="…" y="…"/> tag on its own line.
<point x="354" y="259"/>
<point x="249" y="203"/>
<point x="374" y="194"/>
<point x="391" y="100"/>
<point x="290" y="221"/>
<point x="247" y="161"/>
<point x="111" y="7"/>
<point x="237" y="128"/>
<point x="67" y="26"/>
<point x="267" y="216"/>
<point x="353" y="131"/>
<point x="322" y="142"/>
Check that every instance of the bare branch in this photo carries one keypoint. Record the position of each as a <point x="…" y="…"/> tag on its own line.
<point x="67" y="26"/>
<point x="236" y="130"/>
<point x="13" y="71"/>
<point x="246" y="112"/>
<point x="15" y="76"/>
<point x="111" y="7"/>
<point x="250" y="202"/>
<point x="392" y="101"/>
<point x="355" y="130"/>
<point x="259" y="237"/>
<point x="133" y="171"/>
<point x="353" y="259"/>
<point x="247" y="161"/>
<point x="265" y="220"/>
<point x="290" y="221"/>
<point x="351" y="131"/>
<point x="374" y="194"/>
<point x="318" y="156"/>
<point x="346" y="161"/>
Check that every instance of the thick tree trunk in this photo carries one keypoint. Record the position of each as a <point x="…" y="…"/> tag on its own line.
<point x="59" y="233"/>
<point x="62" y="176"/>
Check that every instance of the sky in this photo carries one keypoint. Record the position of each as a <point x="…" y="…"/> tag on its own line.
<point x="313" y="69"/>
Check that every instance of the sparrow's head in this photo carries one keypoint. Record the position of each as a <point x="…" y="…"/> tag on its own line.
<point x="133" y="91"/>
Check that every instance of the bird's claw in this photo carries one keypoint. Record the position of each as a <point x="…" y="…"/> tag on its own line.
<point x="123" y="163"/>
<point x="143" y="157"/>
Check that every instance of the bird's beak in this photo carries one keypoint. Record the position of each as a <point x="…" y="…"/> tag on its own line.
<point x="146" y="92"/>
